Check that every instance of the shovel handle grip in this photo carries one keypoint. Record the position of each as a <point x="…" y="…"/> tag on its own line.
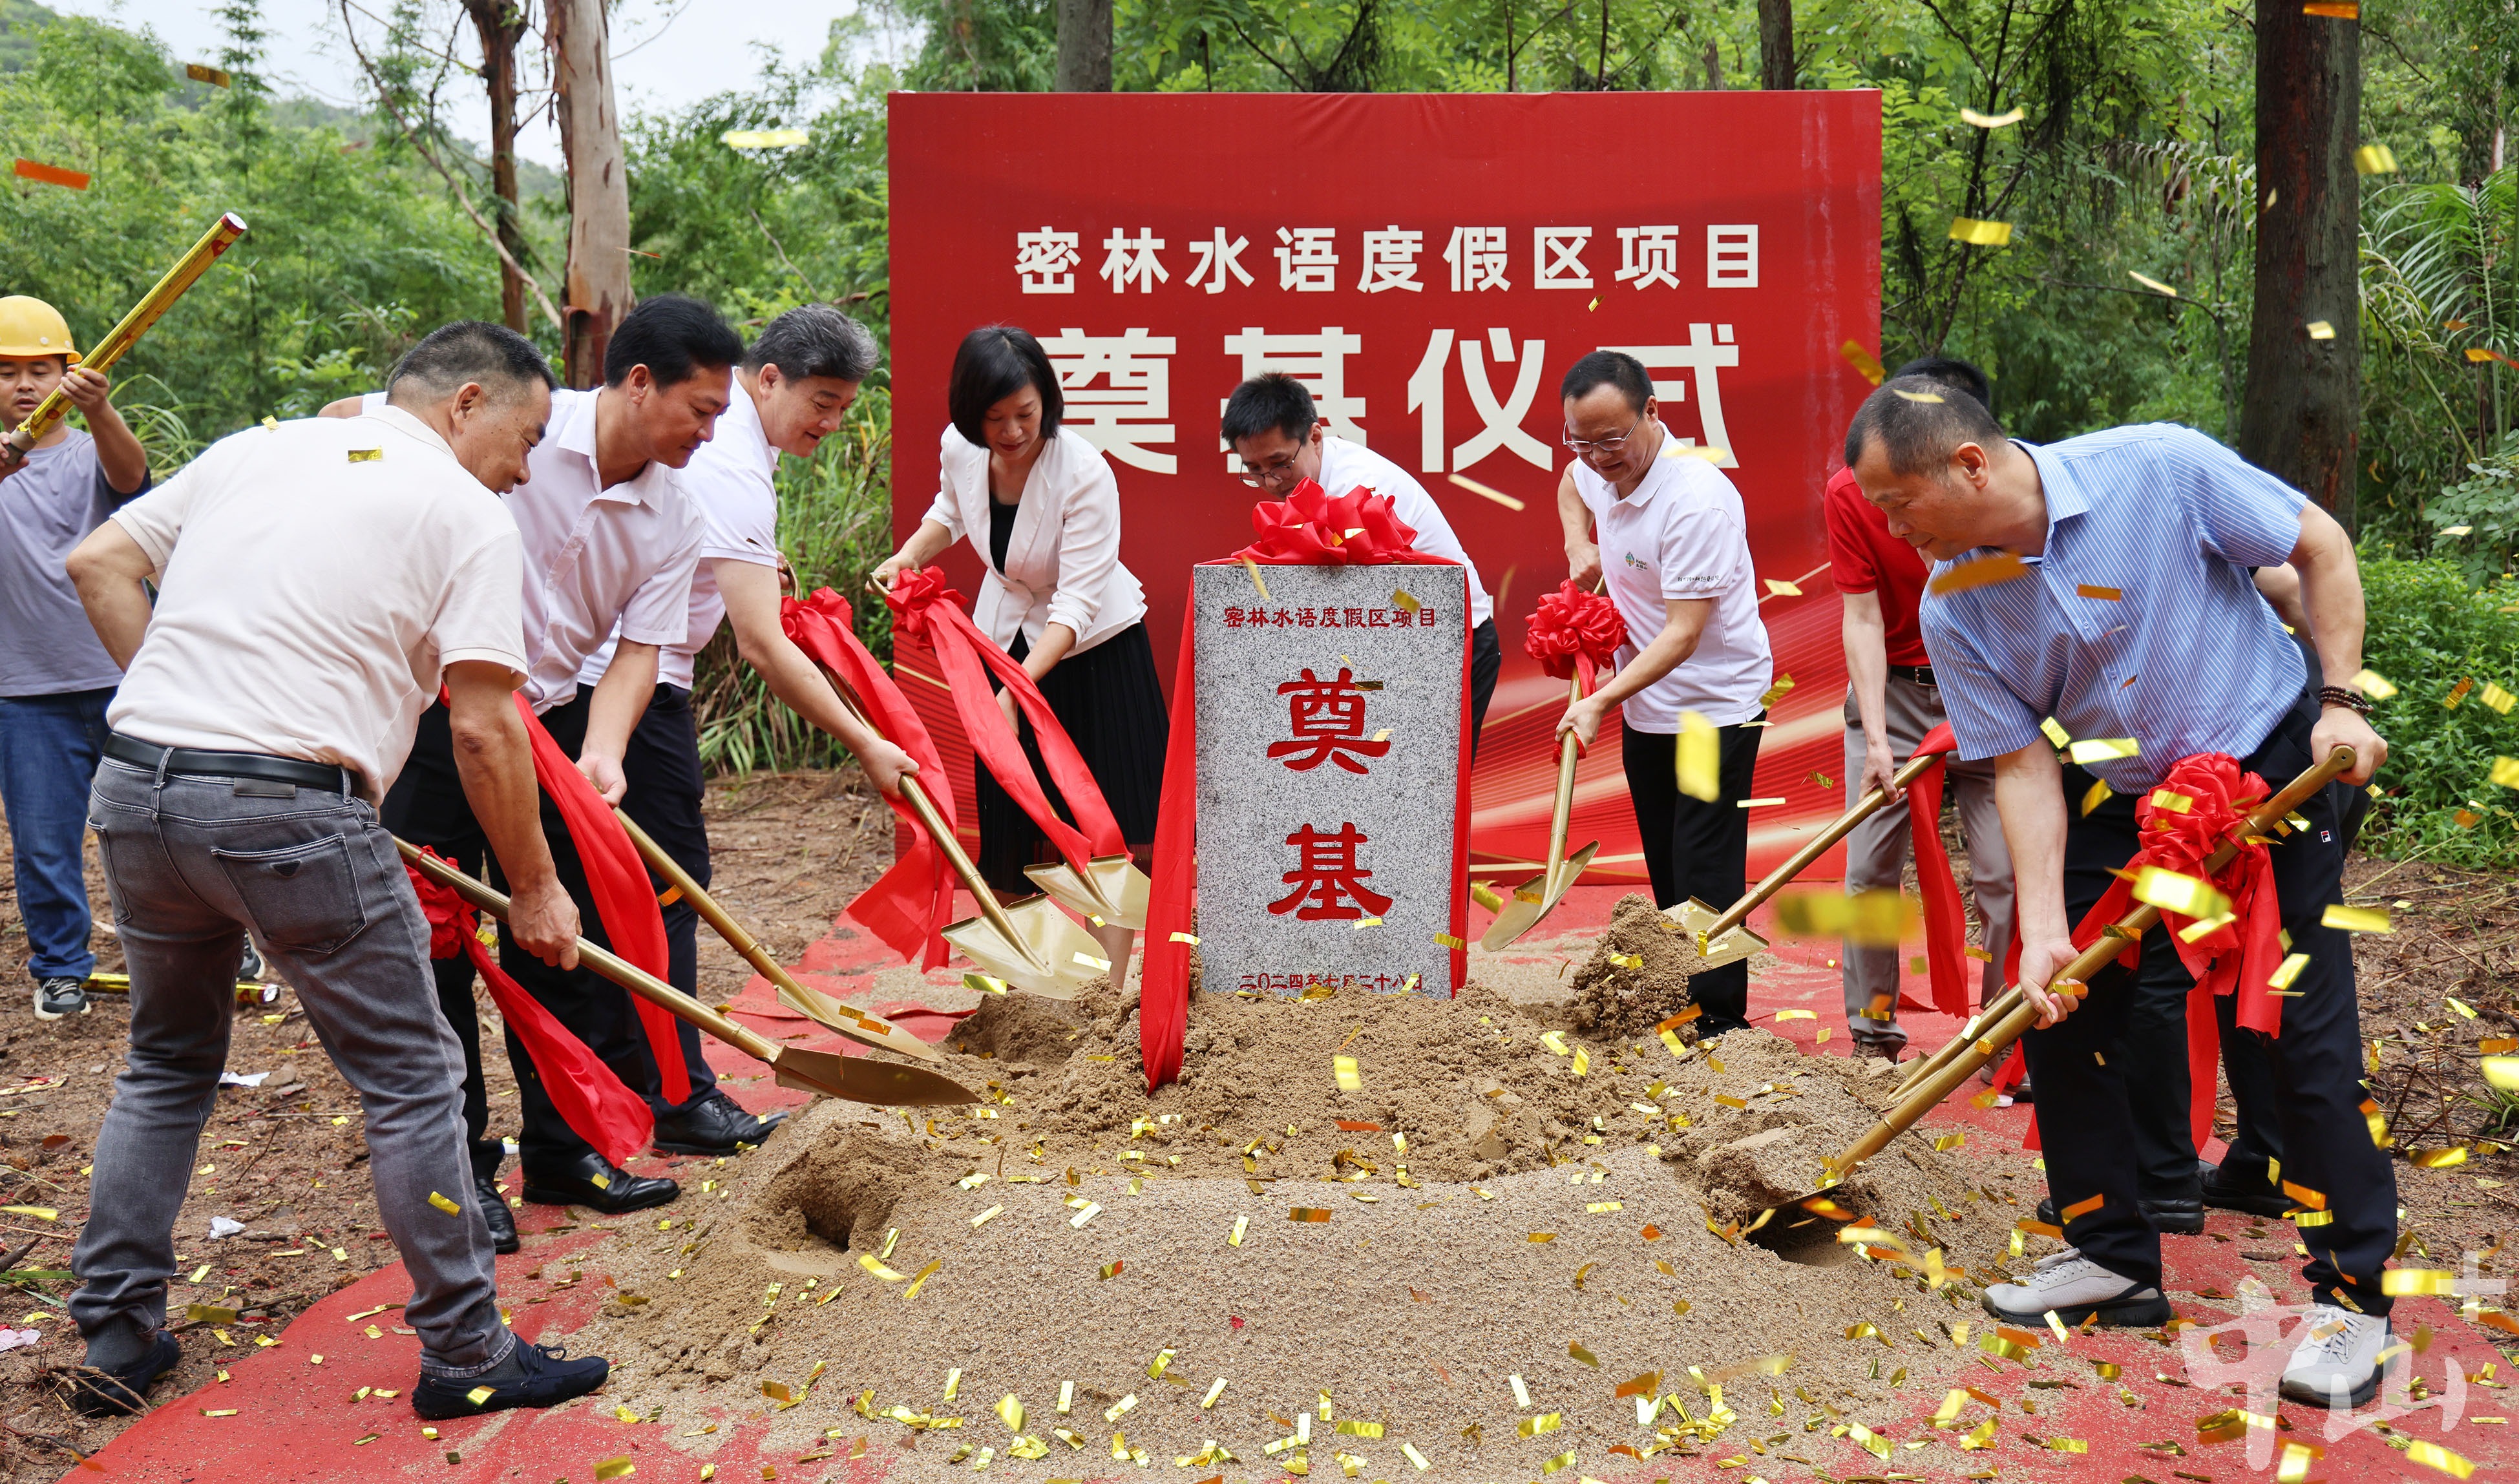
<point x="603" y="961"/>
<point x="1961" y="1060"/>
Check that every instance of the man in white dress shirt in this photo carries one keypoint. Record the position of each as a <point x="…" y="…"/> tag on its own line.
<point x="789" y="394"/>
<point x="611" y="543"/>
<point x="1282" y="440"/>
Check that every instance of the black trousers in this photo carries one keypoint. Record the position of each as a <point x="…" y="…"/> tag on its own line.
<point x="2086" y="1096"/>
<point x="1697" y="848"/>
<point x="427" y="806"/>
<point x="599" y="1012"/>
<point x="662" y="764"/>
<point x="1486" y="661"/>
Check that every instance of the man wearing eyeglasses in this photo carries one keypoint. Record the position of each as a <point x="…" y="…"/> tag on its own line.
<point x="1671" y="537"/>
<point x="1270" y="422"/>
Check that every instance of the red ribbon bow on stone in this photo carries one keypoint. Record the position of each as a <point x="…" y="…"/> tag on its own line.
<point x="1314" y="528"/>
<point x="1574" y="633"/>
<point x="588" y="1096"/>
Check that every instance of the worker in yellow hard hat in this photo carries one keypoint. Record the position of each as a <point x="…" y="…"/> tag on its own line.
<point x="56" y="677"/>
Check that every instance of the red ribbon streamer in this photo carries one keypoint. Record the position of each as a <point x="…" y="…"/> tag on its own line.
<point x="1574" y="633"/>
<point x="590" y="1097"/>
<point x="625" y="899"/>
<point x="1945" y="920"/>
<point x="927" y="609"/>
<point x="909" y="906"/>
<point x="1355" y="529"/>
<point x="2239" y="956"/>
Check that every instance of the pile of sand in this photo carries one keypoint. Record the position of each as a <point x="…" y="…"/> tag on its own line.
<point x="1552" y="1215"/>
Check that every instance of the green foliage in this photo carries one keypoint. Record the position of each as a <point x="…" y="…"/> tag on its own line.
<point x="2428" y="630"/>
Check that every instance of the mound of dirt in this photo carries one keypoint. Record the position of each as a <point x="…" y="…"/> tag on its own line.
<point x="1637" y="975"/>
<point x="1384" y="1244"/>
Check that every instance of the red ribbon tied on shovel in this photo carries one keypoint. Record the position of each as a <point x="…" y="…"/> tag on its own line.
<point x="589" y="1098"/>
<point x="1574" y="633"/>
<point x="1311" y="527"/>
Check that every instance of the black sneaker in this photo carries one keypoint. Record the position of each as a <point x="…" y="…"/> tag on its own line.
<point x="2239" y="1192"/>
<point x="60" y="998"/>
<point x="714" y="1126"/>
<point x="551" y="1378"/>
<point x="96" y="1391"/>
<point x="2170" y="1215"/>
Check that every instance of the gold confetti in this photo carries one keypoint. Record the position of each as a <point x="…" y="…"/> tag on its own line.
<point x="2440" y="1159"/>
<point x="1779" y="587"/>
<point x="442" y="1203"/>
<point x="2374" y="684"/>
<point x="874" y="1265"/>
<point x="2356" y="919"/>
<point x="1776" y="692"/>
<point x="366" y="455"/>
<point x="1985" y="571"/>
<point x="2150" y="283"/>
<point x="479" y="1394"/>
<point x="2434" y="1455"/>
<point x="1110" y="1269"/>
<point x="1307" y="1213"/>
<point x="2174" y="892"/>
<point x="2098" y="794"/>
<point x="929" y="1272"/>
<point x="763" y="139"/>
<point x="2339" y="10"/>
<point x="984" y="1217"/>
<point x="2320" y="330"/>
<point x="1795" y="1014"/>
<point x="1968" y="229"/>
<point x="1406" y="602"/>
<point x="984" y="983"/>
<point x="1945" y="1143"/>
<point x="1575" y="1349"/>
<point x="2103" y="594"/>
<point x="2092" y="750"/>
<point x="2506" y="771"/>
<point x="615" y="1468"/>
<point x="216" y="77"/>
<point x="1993" y="121"/>
<point x="2375" y="159"/>
<point x="1252" y="567"/>
<point x="1090" y="1211"/>
<point x="1864" y="362"/>
<point x="1551" y="1466"/>
<point x="1484" y="896"/>
<point x="2497" y="698"/>
<point x="1698" y="757"/>
<point x="1488" y="492"/>
<point x="2402" y="1283"/>
<point x="1935" y="398"/>
<point x="2288" y="971"/>
<point x="1349" y="1079"/>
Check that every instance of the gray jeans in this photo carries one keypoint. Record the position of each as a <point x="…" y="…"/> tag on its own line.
<point x="191" y="862"/>
<point x="1876" y="854"/>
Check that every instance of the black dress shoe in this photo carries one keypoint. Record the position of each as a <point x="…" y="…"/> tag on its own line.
<point x="495" y="1215"/>
<point x="549" y="1378"/>
<point x="596" y="1183"/>
<point x="96" y="1391"/>
<point x="2177" y="1216"/>
<point x="2239" y="1194"/>
<point x="714" y="1126"/>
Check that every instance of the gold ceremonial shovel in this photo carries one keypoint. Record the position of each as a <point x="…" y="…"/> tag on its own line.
<point x="1536" y="898"/>
<point x="109" y="348"/>
<point x="1720" y="938"/>
<point x="859" y="1079"/>
<point x="1030" y="943"/>
<point x="1991" y="1033"/>
<point x="858" y="1025"/>
<point x="1115" y="893"/>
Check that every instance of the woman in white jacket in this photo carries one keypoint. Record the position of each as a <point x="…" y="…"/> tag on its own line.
<point x="1043" y="501"/>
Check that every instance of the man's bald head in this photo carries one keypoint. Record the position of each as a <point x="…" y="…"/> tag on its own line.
<point x="1919" y="422"/>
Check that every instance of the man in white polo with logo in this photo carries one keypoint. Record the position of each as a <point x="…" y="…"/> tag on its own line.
<point x="1669" y="536"/>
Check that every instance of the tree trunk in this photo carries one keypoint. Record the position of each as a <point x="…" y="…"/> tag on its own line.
<point x="598" y="188"/>
<point x="1776" y="45"/>
<point x="501" y="24"/>
<point x="1083" y="46"/>
<point x="2300" y="412"/>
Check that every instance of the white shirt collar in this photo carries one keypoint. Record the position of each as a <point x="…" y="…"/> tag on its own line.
<point x="575" y="435"/>
<point x="404" y="422"/>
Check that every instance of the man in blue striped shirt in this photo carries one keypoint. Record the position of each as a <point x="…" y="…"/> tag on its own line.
<point x="2133" y="616"/>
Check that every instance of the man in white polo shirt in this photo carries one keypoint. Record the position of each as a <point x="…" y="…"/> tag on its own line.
<point x="1674" y="545"/>
<point x="610" y="541"/>
<point x="254" y="730"/>
<point x="1282" y="440"/>
<point x="791" y="391"/>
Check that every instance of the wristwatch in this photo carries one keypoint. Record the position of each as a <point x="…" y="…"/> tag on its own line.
<point x="2337" y="695"/>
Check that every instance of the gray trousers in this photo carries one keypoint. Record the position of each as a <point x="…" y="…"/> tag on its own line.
<point x="1876" y="853"/>
<point x="191" y="864"/>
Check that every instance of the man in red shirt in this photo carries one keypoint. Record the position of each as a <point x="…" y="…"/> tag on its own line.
<point x="1889" y="707"/>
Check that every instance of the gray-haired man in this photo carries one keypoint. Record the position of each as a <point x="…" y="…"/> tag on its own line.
<point x="792" y="390"/>
<point x="256" y="726"/>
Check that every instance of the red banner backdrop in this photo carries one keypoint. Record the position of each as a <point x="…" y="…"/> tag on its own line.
<point x="1429" y="266"/>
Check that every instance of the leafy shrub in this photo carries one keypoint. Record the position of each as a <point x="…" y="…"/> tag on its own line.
<point x="2429" y="630"/>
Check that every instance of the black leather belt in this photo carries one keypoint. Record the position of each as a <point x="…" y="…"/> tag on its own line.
<point x="197" y="762"/>
<point x="1921" y="674"/>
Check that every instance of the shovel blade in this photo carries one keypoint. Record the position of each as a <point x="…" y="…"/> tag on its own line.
<point x="1535" y="898"/>
<point x="1116" y="891"/>
<point x="863" y="1079"/>
<point x="1054" y="957"/>
<point x="1695" y="917"/>
<point x="865" y="1029"/>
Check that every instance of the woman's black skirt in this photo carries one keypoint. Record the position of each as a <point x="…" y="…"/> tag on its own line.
<point x="1111" y="701"/>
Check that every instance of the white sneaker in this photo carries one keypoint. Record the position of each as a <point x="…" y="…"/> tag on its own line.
<point x="2073" y="1287"/>
<point x="2336" y="1363"/>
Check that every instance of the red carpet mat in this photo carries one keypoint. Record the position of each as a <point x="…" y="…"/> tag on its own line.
<point x="2099" y="1408"/>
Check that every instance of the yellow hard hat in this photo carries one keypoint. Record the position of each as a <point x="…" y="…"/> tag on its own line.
<point x="29" y="327"/>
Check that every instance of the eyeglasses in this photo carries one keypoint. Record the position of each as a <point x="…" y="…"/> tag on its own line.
<point x="1584" y="448"/>
<point x="1273" y="473"/>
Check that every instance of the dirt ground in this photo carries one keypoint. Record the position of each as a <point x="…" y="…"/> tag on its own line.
<point x="288" y="1158"/>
